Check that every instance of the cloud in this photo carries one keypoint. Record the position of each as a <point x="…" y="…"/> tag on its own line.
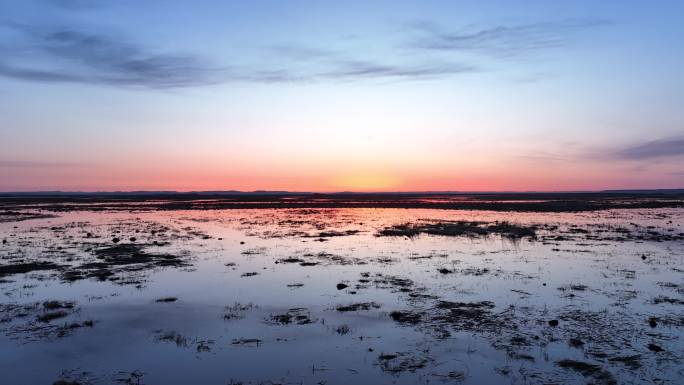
<point x="350" y="70"/>
<point x="662" y="148"/>
<point x="322" y="64"/>
<point x="81" y="55"/>
<point x="330" y="65"/>
<point x="69" y="55"/>
<point x="502" y="40"/>
<point x="355" y="71"/>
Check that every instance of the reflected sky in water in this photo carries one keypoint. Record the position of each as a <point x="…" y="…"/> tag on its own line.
<point x="590" y="271"/>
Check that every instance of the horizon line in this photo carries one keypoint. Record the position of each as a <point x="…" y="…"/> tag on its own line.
<point x="275" y="192"/>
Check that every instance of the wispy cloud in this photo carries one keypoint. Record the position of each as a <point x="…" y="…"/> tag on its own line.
<point x="361" y="69"/>
<point x="83" y="55"/>
<point x="70" y="55"/>
<point x="502" y="40"/>
<point x="356" y="71"/>
<point x="322" y="64"/>
<point x="662" y="148"/>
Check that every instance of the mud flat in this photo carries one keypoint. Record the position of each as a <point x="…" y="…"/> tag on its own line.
<point x="369" y="289"/>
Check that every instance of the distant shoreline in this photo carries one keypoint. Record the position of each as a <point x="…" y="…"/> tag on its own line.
<point x="146" y="193"/>
<point x="493" y="201"/>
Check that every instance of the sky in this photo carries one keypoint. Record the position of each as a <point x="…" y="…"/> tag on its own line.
<point x="341" y="96"/>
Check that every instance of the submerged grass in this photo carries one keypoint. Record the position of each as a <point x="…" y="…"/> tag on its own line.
<point x="460" y="228"/>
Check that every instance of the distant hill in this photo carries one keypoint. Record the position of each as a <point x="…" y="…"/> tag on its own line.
<point x="647" y="191"/>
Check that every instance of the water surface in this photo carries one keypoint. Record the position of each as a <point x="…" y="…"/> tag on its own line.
<point x="317" y="296"/>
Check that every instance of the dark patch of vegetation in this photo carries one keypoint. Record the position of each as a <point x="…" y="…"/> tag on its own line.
<point x="333" y="233"/>
<point x="50" y="316"/>
<point x="387" y="356"/>
<point x="66" y="382"/>
<point x="53" y="305"/>
<point x="166" y="300"/>
<point x="589" y="370"/>
<point x="246" y="341"/>
<point x="406" y="317"/>
<point x="655" y="348"/>
<point x="669" y="300"/>
<point x="632" y="362"/>
<point x="460" y="228"/>
<point x="358" y="307"/>
<point x="290" y="260"/>
<point x="466" y="315"/>
<point x="126" y="254"/>
<point x="343" y="330"/>
<point x="402" y="362"/>
<point x="27" y="267"/>
<point x="294" y="316"/>
<point x="174" y="337"/>
<point x="115" y="263"/>
<point x="478" y="271"/>
<point x="237" y="311"/>
<point x="18" y="216"/>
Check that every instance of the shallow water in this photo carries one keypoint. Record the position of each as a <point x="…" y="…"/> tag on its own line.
<point x="601" y="275"/>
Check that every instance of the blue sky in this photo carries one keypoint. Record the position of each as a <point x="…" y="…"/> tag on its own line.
<point x="318" y="95"/>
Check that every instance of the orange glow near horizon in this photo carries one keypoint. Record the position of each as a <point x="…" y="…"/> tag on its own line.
<point x="330" y="177"/>
<point x="367" y="182"/>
